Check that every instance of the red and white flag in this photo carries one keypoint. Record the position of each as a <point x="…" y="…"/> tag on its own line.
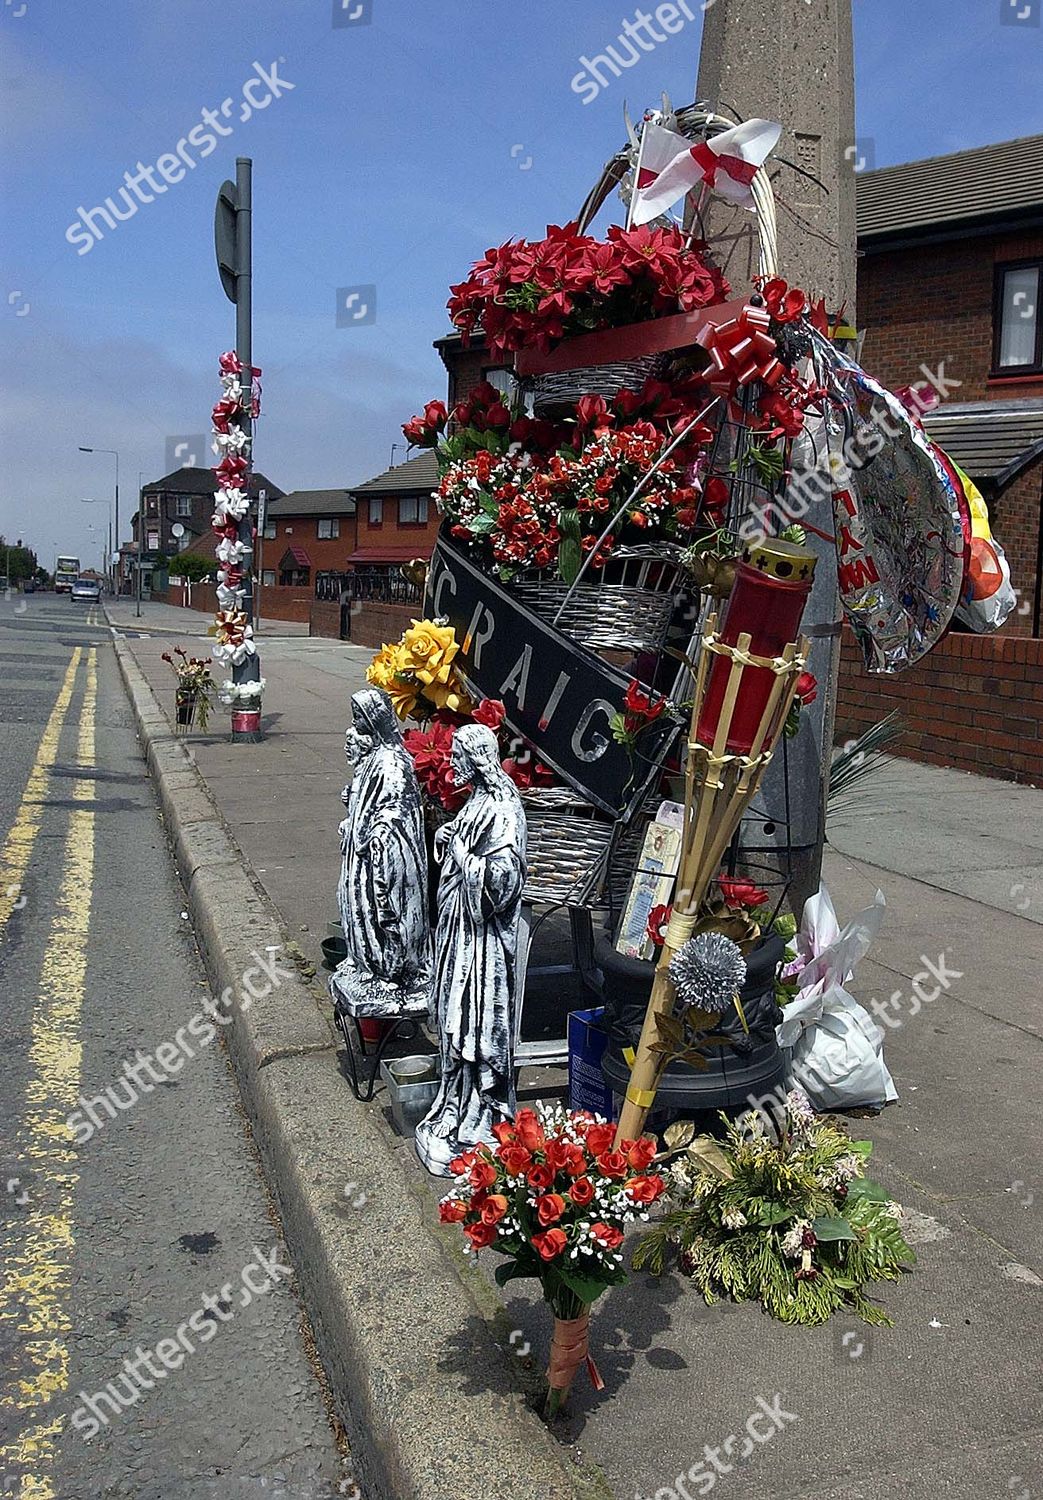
<point x="726" y="163"/>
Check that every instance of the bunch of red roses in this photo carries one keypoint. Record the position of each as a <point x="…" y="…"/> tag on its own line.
<point x="555" y="1197"/>
<point x="531" y="294"/>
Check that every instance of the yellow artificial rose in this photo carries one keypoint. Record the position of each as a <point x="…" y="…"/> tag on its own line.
<point x="403" y="692"/>
<point x="450" y="694"/>
<point x="387" y="662"/>
<point x="428" y="650"/>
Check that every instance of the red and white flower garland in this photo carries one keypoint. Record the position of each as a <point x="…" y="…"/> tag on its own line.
<point x="234" y="642"/>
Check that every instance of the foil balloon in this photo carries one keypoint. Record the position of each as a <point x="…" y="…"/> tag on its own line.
<point x="901" y="548"/>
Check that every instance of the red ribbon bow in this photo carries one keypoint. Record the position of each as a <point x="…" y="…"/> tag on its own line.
<point x="733" y="166"/>
<point x="742" y="351"/>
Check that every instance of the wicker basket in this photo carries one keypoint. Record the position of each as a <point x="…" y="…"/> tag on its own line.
<point x="565" y="387"/>
<point x="568" y="845"/>
<point x="628" y="610"/>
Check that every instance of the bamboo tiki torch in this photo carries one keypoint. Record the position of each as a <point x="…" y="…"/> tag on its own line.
<point x="745" y="685"/>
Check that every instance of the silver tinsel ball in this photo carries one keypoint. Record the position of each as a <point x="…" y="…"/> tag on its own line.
<point x="708" y="971"/>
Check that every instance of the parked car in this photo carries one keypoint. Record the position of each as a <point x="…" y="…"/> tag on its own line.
<point x="86" y="588"/>
<point x="29" y="586"/>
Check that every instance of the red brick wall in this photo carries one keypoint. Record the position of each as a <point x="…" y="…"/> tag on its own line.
<point x="374" y="624"/>
<point x="975" y="703"/>
<point x="276" y="603"/>
<point x="324" y="619"/>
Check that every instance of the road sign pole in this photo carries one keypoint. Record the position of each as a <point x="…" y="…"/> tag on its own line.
<point x="246" y="721"/>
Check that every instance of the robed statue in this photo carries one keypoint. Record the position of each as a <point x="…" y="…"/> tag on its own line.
<point x="482" y="858"/>
<point x="383" y="885"/>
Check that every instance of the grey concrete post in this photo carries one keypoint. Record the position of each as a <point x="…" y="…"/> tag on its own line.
<point x="793" y="61"/>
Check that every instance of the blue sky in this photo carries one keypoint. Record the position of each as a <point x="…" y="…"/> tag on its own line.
<point x="406" y="145"/>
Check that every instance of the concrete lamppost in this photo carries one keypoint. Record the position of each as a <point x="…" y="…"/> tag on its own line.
<point x="790" y="61"/>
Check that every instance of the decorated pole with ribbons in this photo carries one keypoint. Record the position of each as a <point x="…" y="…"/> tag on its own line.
<point x="233" y="443"/>
<point x="745" y="685"/>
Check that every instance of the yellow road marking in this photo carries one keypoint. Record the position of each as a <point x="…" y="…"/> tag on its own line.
<point x="17" y="850"/>
<point x="38" y="1271"/>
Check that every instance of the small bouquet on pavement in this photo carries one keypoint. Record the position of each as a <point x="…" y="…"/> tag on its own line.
<point x="554" y="1197"/>
<point x="194" y="686"/>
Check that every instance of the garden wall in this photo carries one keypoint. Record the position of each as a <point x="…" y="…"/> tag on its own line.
<point x="975" y="703"/>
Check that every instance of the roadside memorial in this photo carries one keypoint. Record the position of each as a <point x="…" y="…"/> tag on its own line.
<point x="613" y="613"/>
<point x="192" y="695"/>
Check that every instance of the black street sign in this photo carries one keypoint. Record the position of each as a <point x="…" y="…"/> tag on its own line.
<point x="225" y="211"/>
<point x="558" y="696"/>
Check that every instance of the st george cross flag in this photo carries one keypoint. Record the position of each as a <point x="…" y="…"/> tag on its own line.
<point x="727" y="163"/>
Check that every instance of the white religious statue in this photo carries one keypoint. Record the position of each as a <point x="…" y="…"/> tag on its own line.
<point x="383" y="885"/>
<point x="482" y="854"/>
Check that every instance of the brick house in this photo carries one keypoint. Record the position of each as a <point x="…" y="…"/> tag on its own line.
<point x="308" y="537"/>
<point x="950" y="270"/>
<point x="396" y="518"/>
<point x="184" y="497"/>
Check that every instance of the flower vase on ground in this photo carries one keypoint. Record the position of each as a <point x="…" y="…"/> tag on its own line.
<point x="185" y="708"/>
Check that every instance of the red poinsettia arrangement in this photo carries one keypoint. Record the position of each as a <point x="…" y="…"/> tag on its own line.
<point x="532" y="294"/>
<point x="430" y="750"/>
<point x="555" y="1197"/>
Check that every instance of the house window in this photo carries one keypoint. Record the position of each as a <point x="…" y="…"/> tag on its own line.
<point x="270" y="531"/>
<point x="184" y="505"/>
<point x="503" y="380"/>
<point x="329" y="529"/>
<point x="1018" y="331"/>
<point x="268" y="578"/>
<point x="413" y="511"/>
<point x="376" y="512"/>
<point x="295" y="578"/>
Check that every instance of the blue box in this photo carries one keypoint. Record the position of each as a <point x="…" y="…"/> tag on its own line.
<point x="587" y="1041"/>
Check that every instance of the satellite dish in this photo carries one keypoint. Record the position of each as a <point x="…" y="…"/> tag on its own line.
<point x="177" y="530"/>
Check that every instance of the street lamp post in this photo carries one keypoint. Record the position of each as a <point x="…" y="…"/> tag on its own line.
<point x="116" y="518"/>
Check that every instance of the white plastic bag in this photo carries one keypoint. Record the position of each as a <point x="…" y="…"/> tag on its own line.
<point x="834" y="1048"/>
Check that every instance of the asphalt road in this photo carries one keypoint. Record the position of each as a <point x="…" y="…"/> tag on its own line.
<point x="151" y="1343"/>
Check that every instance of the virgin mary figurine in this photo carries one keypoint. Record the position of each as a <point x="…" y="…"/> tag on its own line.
<point x="383" y="886"/>
<point x="482" y="854"/>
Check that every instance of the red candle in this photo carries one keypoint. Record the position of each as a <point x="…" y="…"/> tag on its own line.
<point x="772" y="584"/>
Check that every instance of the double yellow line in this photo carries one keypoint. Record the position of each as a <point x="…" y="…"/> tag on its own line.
<point x="37" y="1270"/>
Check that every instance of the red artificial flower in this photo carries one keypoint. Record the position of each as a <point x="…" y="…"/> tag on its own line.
<point x="655" y="929"/>
<point x="528" y="1130"/>
<point x="452" y="1211"/>
<point x="540" y="1177"/>
<point x="550" y="1208"/>
<point x="581" y="1191"/>
<point x="738" y="893"/>
<point x="807" y="688"/>
<point x="494" y="1208"/>
<point x="606" y="1235"/>
<point x="600" y="1138"/>
<point x="490" y="712"/>
<point x="591" y="411"/>
<point x="716" y="496"/>
<point x="503" y="1130"/>
<point x="482" y="1174"/>
<point x="435" y="414"/>
<point x="641" y="705"/>
<point x="550" y="1244"/>
<point x="642" y="1153"/>
<point x="415" y="433"/>
<point x="480" y="1234"/>
<point x="645" y="1190"/>
<point x="613" y="1164"/>
<point x="785" y="303"/>
<point x="516" y="1160"/>
<point x="461" y="1165"/>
